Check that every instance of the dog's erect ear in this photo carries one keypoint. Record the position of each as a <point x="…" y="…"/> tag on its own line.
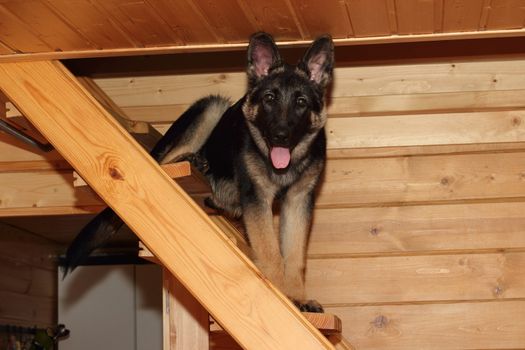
<point x="318" y="61"/>
<point x="262" y="55"/>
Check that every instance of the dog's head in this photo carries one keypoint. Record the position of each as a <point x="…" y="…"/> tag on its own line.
<point x="285" y="105"/>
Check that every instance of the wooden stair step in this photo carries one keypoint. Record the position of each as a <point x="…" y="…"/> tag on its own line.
<point x="326" y="323"/>
<point x="221" y="340"/>
<point x="173" y="170"/>
<point x="191" y="181"/>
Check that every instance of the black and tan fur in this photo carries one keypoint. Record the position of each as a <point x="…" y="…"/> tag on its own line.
<point x="269" y="146"/>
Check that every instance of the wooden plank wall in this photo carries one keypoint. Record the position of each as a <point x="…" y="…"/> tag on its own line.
<point x="419" y="226"/>
<point x="28" y="284"/>
<point x="418" y="239"/>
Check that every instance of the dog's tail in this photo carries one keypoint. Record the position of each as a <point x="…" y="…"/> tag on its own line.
<point x="187" y="135"/>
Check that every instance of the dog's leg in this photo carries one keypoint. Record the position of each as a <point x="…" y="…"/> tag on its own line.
<point x="295" y="222"/>
<point x="258" y="221"/>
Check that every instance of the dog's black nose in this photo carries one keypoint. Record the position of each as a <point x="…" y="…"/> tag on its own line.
<point x="280" y="138"/>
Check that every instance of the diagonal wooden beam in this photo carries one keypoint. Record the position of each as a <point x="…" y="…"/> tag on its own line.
<point x="111" y="107"/>
<point x="173" y="227"/>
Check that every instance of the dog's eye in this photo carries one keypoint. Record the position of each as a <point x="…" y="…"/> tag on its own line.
<point x="301" y="102"/>
<point x="268" y="97"/>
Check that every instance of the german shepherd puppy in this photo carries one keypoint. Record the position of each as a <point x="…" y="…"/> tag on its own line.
<point x="270" y="145"/>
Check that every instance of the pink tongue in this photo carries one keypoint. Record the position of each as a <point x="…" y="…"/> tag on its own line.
<point x="280" y="157"/>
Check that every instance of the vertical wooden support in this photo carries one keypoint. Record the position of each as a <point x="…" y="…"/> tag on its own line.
<point x="186" y="323"/>
<point x="173" y="227"/>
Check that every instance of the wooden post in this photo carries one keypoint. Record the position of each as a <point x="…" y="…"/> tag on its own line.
<point x="186" y="323"/>
<point x="173" y="227"/>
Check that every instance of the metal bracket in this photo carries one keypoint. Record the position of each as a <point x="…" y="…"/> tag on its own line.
<point x="22" y="136"/>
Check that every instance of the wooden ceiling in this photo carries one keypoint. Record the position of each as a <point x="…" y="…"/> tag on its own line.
<point x="91" y="28"/>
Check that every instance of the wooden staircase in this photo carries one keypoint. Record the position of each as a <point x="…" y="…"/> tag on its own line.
<point x="208" y="266"/>
<point x="186" y="323"/>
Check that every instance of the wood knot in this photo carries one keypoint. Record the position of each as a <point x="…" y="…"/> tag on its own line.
<point x="221" y="78"/>
<point x="498" y="290"/>
<point x="115" y="174"/>
<point x="374" y="231"/>
<point x="380" y="322"/>
<point x="445" y="181"/>
<point x="516" y="121"/>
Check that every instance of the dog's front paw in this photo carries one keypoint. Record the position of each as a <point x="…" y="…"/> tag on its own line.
<point x="198" y="161"/>
<point x="308" y="306"/>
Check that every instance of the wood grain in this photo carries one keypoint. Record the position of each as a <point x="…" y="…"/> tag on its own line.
<point x="38" y="17"/>
<point x="13" y="150"/>
<point x="436" y="179"/>
<point x="334" y="20"/>
<point x="187" y="321"/>
<point x="462" y="15"/>
<point x="420" y="179"/>
<point x="425" y="229"/>
<point x="273" y="14"/>
<point x="340" y="342"/>
<point x="15" y="34"/>
<point x="228" y="19"/>
<point x="28" y="284"/>
<point x="112" y="108"/>
<point x="378" y="90"/>
<point x="423" y="23"/>
<point x="429" y="78"/>
<point x="426" y="129"/>
<point x="490" y="325"/>
<point x="173" y="170"/>
<point x="133" y="184"/>
<point x="43" y="189"/>
<point x="369" y="17"/>
<point x="389" y="152"/>
<point x="409" y="279"/>
<point x="185" y="20"/>
<point x="356" y="106"/>
<point x="505" y="14"/>
<point x="80" y="28"/>
<point x="88" y="20"/>
<point x="381" y="80"/>
<point x="140" y="22"/>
